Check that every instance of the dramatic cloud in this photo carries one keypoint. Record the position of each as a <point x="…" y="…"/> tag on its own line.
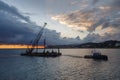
<point x="100" y="20"/>
<point x="81" y="19"/>
<point x="116" y="3"/>
<point x="13" y="31"/>
<point x="12" y="10"/>
<point x="54" y="38"/>
<point x="97" y="13"/>
<point x="95" y="1"/>
<point x="88" y="19"/>
<point x="16" y="28"/>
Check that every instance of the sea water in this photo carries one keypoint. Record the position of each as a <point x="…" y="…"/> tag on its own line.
<point x="70" y="66"/>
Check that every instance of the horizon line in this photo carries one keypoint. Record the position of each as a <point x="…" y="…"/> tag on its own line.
<point x="18" y="46"/>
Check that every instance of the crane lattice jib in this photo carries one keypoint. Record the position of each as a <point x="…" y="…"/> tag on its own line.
<point x="35" y="42"/>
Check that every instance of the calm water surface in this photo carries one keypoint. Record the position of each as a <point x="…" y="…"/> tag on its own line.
<point x="69" y="66"/>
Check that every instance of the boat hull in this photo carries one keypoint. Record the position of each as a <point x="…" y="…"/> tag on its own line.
<point x="100" y="57"/>
<point x="41" y="54"/>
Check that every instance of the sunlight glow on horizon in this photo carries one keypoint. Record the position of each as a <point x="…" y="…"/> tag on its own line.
<point x="17" y="46"/>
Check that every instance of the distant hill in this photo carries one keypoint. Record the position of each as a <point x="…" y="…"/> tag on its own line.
<point x="106" y="44"/>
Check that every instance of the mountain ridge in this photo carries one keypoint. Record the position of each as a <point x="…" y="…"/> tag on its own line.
<point x="105" y="44"/>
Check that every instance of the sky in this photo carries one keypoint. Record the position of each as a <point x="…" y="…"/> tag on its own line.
<point x="68" y="21"/>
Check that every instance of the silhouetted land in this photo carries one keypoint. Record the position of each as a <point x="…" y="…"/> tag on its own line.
<point x="105" y="44"/>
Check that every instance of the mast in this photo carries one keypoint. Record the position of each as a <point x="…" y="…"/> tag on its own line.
<point x="58" y="50"/>
<point x="44" y="45"/>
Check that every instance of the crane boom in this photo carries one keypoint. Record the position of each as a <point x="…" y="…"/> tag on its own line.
<point x="35" y="42"/>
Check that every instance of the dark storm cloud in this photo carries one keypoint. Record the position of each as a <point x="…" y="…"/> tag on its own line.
<point x="116" y="3"/>
<point x="112" y="19"/>
<point x="14" y="30"/>
<point x="114" y="22"/>
<point x="54" y="38"/>
<point x="12" y="10"/>
<point x="95" y="1"/>
<point x="92" y="37"/>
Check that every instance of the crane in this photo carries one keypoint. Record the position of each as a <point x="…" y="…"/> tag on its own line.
<point x="36" y="40"/>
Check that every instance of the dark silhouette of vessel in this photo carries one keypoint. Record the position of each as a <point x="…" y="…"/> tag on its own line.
<point x="97" y="56"/>
<point x="43" y="54"/>
<point x="29" y="51"/>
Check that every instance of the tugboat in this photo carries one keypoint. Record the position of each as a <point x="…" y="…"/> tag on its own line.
<point x="29" y="51"/>
<point x="96" y="55"/>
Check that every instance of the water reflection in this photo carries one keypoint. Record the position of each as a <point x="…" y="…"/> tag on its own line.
<point x="69" y="66"/>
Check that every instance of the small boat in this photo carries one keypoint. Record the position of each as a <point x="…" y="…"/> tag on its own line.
<point x="96" y="55"/>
